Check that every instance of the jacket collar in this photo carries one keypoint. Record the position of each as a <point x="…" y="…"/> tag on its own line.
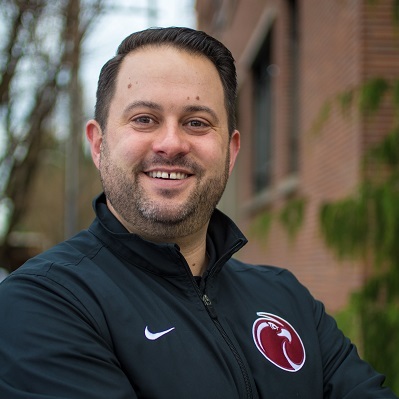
<point x="223" y="239"/>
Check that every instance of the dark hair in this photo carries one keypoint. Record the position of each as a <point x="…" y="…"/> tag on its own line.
<point x="190" y="40"/>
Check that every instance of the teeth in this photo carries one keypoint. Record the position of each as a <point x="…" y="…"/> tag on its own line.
<point x="164" y="175"/>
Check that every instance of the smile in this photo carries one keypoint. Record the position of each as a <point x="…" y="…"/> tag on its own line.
<point x="165" y="175"/>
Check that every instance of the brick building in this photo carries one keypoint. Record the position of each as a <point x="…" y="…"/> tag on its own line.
<point x="293" y="57"/>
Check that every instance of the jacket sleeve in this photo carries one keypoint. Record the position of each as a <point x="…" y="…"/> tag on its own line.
<point x="346" y="376"/>
<point x="51" y="347"/>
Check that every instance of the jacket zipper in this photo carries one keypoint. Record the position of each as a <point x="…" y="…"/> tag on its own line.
<point x="212" y="313"/>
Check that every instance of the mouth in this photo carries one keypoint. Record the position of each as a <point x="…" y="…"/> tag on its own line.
<point x="167" y="176"/>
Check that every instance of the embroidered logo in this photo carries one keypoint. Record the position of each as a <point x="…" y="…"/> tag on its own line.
<point x="278" y="342"/>
<point x="153" y="336"/>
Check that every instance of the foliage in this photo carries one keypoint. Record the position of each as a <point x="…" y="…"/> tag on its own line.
<point x="260" y="228"/>
<point x="371" y="320"/>
<point x="371" y="94"/>
<point x="345" y="100"/>
<point x="387" y="152"/>
<point x="344" y="224"/>
<point x="366" y="225"/>
<point x="291" y="216"/>
<point x="367" y="96"/>
<point x="395" y="10"/>
<point x="321" y="118"/>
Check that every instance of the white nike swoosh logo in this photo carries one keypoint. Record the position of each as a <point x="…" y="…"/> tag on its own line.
<point x="153" y="336"/>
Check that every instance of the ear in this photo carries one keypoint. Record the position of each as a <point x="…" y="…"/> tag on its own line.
<point x="234" y="148"/>
<point x="94" y="135"/>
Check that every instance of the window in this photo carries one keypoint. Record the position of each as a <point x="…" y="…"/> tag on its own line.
<point x="262" y="71"/>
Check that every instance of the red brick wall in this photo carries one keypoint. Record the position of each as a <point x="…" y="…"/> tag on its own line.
<point x="381" y="59"/>
<point x="341" y="43"/>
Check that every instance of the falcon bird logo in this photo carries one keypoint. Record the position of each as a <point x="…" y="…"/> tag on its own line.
<point x="278" y="342"/>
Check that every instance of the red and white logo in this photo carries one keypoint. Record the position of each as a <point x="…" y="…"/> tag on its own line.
<point x="278" y="342"/>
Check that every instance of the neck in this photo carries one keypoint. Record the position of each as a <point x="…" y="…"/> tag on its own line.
<point x="192" y="246"/>
<point x="194" y="251"/>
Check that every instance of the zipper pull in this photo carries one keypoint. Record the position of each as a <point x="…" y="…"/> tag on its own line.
<point x="209" y="306"/>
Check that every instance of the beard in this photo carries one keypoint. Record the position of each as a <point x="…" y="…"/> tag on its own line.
<point x="157" y="218"/>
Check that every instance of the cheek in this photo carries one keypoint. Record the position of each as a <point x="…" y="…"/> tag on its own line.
<point x="211" y="147"/>
<point x="215" y="160"/>
<point x="128" y="151"/>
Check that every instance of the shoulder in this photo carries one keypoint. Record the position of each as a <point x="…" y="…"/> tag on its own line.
<point x="259" y="271"/>
<point x="66" y="270"/>
<point x="63" y="277"/>
<point x="270" y="280"/>
<point x="68" y="253"/>
<point x="239" y="266"/>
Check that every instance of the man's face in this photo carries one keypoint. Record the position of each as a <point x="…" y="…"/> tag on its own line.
<point x="165" y="156"/>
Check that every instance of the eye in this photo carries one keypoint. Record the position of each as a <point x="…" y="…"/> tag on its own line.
<point x="143" y="120"/>
<point x="197" y="127"/>
<point x="197" y="123"/>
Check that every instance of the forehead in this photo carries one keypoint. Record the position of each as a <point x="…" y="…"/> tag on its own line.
<point x="154" y="65"/>
<point x="173" y="80"/>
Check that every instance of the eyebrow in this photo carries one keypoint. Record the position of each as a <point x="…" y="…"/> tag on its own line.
<point x="140" y="103"/>
<point x="202" y="108"/>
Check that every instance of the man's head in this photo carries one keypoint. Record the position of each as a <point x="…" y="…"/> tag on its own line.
<point x="166" y="149"/>
<point x="189" y="40"/>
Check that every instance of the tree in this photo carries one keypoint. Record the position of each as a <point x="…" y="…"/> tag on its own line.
<point x="40" y="52"/>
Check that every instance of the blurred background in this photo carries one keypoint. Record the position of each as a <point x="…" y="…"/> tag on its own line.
<point x="316" y="186"/>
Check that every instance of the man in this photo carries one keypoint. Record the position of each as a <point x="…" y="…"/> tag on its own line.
<point x="147" y="303"/>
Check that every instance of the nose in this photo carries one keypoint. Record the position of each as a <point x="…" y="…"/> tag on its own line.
<point x="171" y="141"/>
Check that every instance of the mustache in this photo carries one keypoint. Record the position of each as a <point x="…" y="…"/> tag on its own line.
<point x="180" y="161"/>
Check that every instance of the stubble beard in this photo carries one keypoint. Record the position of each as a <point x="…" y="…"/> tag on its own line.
<point x="157" y="219"/>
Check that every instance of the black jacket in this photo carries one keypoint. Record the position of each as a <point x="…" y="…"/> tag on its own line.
<point x="109" y="315"/>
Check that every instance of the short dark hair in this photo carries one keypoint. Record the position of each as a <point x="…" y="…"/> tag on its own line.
<point x="190" y="40"/>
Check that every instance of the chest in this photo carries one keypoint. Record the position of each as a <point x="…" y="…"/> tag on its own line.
<point x="170" y="345"/>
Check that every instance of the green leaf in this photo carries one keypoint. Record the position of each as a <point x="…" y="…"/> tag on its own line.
<point x="371" y="94"/>
<point x="345" y="100"/>
<point x="261" y="225"/>
<point x="291" y="216"/>
<point x="321" y="118"/>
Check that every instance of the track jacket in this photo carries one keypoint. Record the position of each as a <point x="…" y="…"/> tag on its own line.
<point x="107" y="315"/>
